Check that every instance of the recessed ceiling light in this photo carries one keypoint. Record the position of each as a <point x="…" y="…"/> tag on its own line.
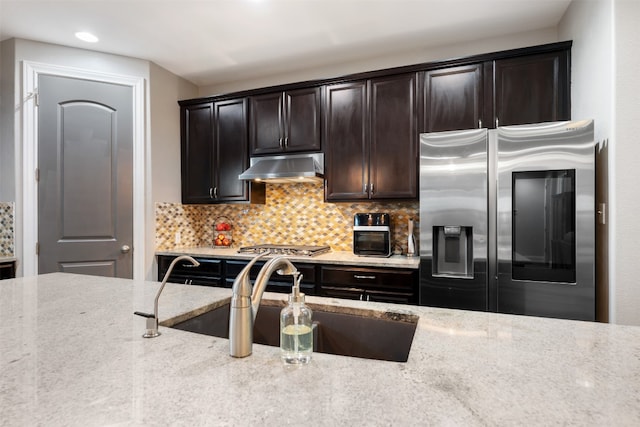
<point x="87" y="37"/>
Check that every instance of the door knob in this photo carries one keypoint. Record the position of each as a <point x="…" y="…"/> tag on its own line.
<point x="125" y="249"/>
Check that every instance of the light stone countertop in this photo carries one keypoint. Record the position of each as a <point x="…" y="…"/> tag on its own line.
<point x="331" y="257"/>
<point x="71" y="353"/>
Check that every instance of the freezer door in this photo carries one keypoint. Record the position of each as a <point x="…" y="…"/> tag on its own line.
<point x="545" y="220"/>
<point x="453" y="219"/>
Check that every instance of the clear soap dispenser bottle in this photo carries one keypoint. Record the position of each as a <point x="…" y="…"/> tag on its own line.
<point x="296" y="333"/>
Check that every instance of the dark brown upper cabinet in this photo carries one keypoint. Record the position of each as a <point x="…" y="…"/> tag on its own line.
<point x="285" y="121"/>
<point x="532" y="89"/>
<point x="371" y="139"/>
<point x="346" y="141"/>
<point x="453" y="98"/>
<point x="214" y="151"/>
<point x="529" y="88"/>
<point x="393" y="157"/>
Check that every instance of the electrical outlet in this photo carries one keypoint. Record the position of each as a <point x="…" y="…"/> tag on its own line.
<point x="178" y="238"/>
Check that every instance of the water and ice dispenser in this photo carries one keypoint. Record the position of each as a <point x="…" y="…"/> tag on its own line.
<point x="453" y="251"/>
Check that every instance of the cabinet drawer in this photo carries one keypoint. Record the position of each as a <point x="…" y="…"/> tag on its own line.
<point x="394" y="297"/>
<point x="277" y="283"/>
<point x="369" y="277"/>
<point x="207" y="266"/>
<point x="407" y="297"/>
<point x="341" y="292"/>
<point x="196" y="280"/>
<point x="308" y="272"/>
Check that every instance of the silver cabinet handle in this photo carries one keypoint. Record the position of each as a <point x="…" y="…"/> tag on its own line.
<point x="211" y="192"/>
<point x="371" y="188"/>
<point x="497" y="123"/>
<point x="215" y="192"/>
<point x="286" y="141"/>
<point x="125" y="249"/>
<point x="281" y="142"/>
<point x="479" y="123"/>
<point x="358" y="276"/>
<point x="364" y="188"/>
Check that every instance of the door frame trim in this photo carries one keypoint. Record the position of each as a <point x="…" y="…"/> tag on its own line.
<point x="30" y="73"/>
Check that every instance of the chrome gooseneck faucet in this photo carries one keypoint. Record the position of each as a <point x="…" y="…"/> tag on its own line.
<point x="246" y="301"/>
<point x="152" y="318"/>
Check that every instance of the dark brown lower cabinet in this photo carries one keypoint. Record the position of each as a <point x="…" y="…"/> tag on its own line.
<point x="222" y="273"/>
<point x="7" y="270"/>
<point x="277" y="283"/>
<point x="369" y="284"/>
<point x="395" y="285"/>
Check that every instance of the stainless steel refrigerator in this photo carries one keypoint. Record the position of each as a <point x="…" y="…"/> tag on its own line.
<point x="507" y="219"/>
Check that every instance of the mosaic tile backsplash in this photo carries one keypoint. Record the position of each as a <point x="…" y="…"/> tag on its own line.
<point x="7" y="229"/>
<point x="292" y="214"/>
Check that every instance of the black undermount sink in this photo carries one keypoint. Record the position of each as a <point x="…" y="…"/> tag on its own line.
<point x="359" y="333"/>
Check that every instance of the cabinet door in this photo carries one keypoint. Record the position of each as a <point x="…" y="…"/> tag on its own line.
<point x="393" y="162"/>
<point x="232" y="152"/>
<point x="196" y="123"/>
<point x="532" y="89"/>
<point x="346" y="147"/>
<point x="266" y="123"/>
<point x="453" y="98"/>
<point x="302" y="120"/>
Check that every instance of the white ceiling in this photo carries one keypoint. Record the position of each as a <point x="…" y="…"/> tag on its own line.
<point x="217" y="41"/>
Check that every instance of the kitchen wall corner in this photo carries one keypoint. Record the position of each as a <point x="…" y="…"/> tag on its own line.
<point x="292" y="214"/>
<point x="7" y="229"/>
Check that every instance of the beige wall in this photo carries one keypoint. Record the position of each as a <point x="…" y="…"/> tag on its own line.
<point x="163" y="175"/>
<point x="589" y="25"/>
<point x="548" y="35"/>
<point x="605" y="60"/>
<point x="166" y="90"/>
<point x="626" y="172"/>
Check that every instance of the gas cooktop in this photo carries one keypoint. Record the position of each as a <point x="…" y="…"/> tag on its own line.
<point x="297" y="250"/>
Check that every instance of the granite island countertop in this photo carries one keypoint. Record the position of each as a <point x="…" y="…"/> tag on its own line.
<point x="71" y="353"/>
<point x="331" y="257"/>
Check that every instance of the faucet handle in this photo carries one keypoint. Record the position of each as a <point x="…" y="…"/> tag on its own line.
<point x="152" y="324"/>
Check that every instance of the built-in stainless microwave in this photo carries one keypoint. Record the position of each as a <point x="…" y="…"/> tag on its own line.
<point x="372" y="234"/>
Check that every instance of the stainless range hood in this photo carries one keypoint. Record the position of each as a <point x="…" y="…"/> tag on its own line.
<point x="287" y="169"/>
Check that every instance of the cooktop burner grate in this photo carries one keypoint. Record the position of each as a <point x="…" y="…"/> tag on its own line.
<point x="299" y="250"/>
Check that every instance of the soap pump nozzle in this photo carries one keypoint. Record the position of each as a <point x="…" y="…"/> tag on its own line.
<point x="296" y="295"/>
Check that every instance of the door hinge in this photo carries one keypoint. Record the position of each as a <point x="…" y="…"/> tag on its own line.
<point x="37" y="248"/>
<point x="35" y="96"/>
<point x="37" y="174"/>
